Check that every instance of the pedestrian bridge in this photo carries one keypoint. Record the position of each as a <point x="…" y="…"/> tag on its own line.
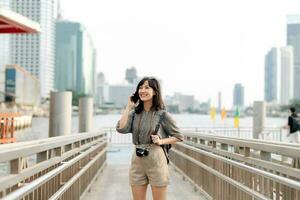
<point x="204" y="166"/>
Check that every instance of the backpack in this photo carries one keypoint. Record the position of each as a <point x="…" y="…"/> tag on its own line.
<point x="295" y="124"/>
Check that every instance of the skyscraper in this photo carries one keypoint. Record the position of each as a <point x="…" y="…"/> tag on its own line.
<point x="36" y="52"/>
<point x="75" y="59"/>
<point x="131" y="75"/>
<point x="293" y="38"/>
<point x="100" y="78"/>
<point x="238" y="95"/>
<point x="102" y="89"/>
<point x="4" y="52"/>
<point x="219" y="101"/>
<point x="287" y="75"/>
<point x="271" y="75"/>
<point x="119" y="93"/>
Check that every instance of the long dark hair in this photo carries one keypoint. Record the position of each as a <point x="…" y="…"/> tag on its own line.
<point x="157" y="101"/>
<point x="293" y="111"/>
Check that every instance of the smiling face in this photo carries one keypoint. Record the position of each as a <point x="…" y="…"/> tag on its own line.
<point x="149" y="95"/>
<point x="146" y="93"/>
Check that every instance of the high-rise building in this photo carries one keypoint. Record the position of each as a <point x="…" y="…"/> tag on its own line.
<point x="118" y="94"/>
<point x="271" y="75"/>
<point x="293" y="38"/>
<point x="100" y="78"/>
<point x="238" y="95"/>
<point x="102" y="90"/>
<point x="131" y="75"/>
<point x="184" y="102"/>
<point x="287" y="75"/>
<point x="75" y="59"/>
<point x="5" y="4"/>
<point x="4" y="52"/>
<point x="219" y="101"/>
<point x="20" y="86"/>
<point x="36" y="52"/>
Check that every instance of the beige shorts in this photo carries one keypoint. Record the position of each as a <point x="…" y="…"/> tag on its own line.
<point x="152" y="169"/>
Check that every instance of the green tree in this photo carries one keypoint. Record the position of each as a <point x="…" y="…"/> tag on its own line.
<point x="76" y="96"/>
<point x="295" y="103"/>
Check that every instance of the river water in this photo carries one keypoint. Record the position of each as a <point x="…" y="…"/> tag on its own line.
<point x="40" y="126"/>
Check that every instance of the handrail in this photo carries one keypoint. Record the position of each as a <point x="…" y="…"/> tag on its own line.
<point x="235" y="168"/>
<point x="289" y="182"/>
<point x="43" y="179"/>
<point x="46" y="140"/>
<point x="253" y="161"/>
<point x="11" y="179"/>
<point x="64" y="188"/>
<point x="29" y="148"/>
<point x="272" y="147"/>
<point x="225" y="178"/>
<point x="58" y="160"/>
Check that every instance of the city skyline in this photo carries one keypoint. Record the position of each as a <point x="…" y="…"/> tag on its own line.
<point x="36" y="53"/>
<point x="75" y="59"/>
<point x="194" y="47"/>
<point x="293" y="36"/>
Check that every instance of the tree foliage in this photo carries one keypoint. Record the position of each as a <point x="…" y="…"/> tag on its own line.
<point x="294" y="103"/>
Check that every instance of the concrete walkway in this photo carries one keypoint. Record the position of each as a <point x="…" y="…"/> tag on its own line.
<point x="113" y="183"/>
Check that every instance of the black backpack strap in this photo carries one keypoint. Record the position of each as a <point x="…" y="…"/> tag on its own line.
<point x="161" y="118"/>
<point x="132" y="122"/>
<point x="165" y="147"/>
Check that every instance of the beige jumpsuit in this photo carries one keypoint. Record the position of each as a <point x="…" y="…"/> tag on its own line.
<point x="152" y="169"/>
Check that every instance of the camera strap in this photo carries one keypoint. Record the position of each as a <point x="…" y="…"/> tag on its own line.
<point x="139" y="117"/>
<point x="161" y="117"/>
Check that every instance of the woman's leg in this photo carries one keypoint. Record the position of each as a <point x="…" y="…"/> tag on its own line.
<point x="159" y="193"/>
<point x="139" y="192"/>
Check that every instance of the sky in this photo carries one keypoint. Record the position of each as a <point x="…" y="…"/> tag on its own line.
<point x="195" y="47"/>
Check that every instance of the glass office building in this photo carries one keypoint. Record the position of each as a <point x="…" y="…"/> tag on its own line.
<point x="75" y="59"/>
<point x="293" y="39"/>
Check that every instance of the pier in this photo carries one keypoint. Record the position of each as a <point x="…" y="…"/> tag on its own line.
<point x="212" y="163"/>
<point x="204" y="166"/>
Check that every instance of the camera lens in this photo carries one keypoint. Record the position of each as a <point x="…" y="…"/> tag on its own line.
<point x="140" y="152"/>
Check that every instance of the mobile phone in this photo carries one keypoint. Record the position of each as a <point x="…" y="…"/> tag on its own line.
<point x="134" y="98"/>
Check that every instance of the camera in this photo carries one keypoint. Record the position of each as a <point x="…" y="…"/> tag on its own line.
<point x="140" y="152"/>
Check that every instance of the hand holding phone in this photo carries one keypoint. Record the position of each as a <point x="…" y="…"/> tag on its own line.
<point x="132" y="101"/>
<point x="134" y="98"/>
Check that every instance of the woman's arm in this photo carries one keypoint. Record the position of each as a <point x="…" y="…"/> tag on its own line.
<point x="124" y="118"/>
<point x="170" y="127"/>
<point x="124" y="124"/>
<point x="171" y="140"/>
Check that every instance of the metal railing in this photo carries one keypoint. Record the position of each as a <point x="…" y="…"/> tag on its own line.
<point x="269" y="133"/>
<point x="236" y="168"/>
<point x="53" y="168"/>
<point x="113" y="137"/>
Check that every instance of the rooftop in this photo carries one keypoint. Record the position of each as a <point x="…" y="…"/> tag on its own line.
<point x="11" y="22"/>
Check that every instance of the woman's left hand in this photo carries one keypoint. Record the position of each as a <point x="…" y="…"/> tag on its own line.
<point x="156" y="139"/>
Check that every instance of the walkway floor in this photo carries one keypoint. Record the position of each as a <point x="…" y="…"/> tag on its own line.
<point x="113" y="183"/>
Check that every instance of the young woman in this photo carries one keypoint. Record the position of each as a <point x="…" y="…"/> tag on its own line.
<point x="151" y="126"/>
